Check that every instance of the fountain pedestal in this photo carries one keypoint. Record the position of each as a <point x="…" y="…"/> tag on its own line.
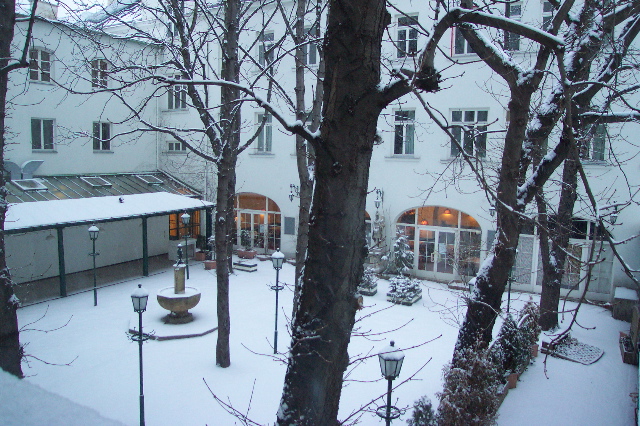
<point x="179" y="298"/>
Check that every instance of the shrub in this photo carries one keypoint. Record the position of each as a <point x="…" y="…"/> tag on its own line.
<point x="422" y="414"/>
<point x="369" y="283"/>
<point x="513" y="346"/>
<point x="528" y="321"/>
<point x="403" y="288"/>
<point x="400" y="260"/>
<point x="470" y="392"/>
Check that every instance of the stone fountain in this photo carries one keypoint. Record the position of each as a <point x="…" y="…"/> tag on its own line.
<point x="179" y="298"/>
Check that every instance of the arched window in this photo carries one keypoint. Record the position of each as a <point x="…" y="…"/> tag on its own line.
<point x="258" y="222"/>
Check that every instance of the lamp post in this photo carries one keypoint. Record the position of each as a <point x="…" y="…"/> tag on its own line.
<point x="390" y="365"/>
<point x="139" y="298"/>
<point x="278" y="259"/>
<point x="185" y="221"/>
<point x="93" y="235"/>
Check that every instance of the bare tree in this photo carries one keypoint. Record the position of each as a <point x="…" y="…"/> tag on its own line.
<point x="10" y="349"/>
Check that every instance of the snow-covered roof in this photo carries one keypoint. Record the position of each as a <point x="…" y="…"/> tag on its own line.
<point x="48" y="214"/>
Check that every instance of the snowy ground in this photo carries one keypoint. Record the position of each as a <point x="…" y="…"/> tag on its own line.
<point x="103" y="373"/>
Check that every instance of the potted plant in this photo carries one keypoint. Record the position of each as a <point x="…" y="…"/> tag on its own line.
<point x="245" y="241"/>
<point x="369" y="284"/>
<point x="404" y="290"/>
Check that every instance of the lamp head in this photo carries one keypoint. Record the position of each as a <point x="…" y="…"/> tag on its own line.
<point x="139" y="299"/>
<point x="391" y="360"/>
<point x="185" y="218"/>
<point x="93" y="232"/>
<point x="278" y="259"/>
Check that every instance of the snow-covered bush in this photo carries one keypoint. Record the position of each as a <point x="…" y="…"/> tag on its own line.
<point x="528" y="321"/>
<point x="369" y="283"/>
<point x="423" y="414"/>
<point x="512" y="345"/>
<point x="470" y="392"/>
<point x="404" y="290"/>
<point x="400" y="260"/>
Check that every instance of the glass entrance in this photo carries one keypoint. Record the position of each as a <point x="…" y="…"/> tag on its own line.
<point x="448" y="242"/>
<point x="258" y="222"/>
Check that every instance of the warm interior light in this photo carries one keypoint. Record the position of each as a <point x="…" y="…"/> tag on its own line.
<point x="424" y="222"/>
<point x="447" y="211"/>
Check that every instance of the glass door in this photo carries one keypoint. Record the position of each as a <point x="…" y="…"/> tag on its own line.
<point x="446" y="254"/>
<point x="426" y="249"/>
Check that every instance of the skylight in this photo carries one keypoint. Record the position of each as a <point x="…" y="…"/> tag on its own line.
<point x="95" y="181"/>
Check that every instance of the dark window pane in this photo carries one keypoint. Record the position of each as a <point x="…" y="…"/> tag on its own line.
<point x="483" y="115"/>
<point x="456" y="116"/>
<point x="469" y="116"/>
<point x="36" y="134"/>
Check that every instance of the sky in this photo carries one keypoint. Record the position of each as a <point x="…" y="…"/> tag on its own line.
<point x="100" y="384"/>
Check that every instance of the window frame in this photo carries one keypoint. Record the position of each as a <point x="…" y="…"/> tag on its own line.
<point x="310" y="47"/>
<point x="42" y="133"/>
<point x="177" y="96"/>
<point x="99" y="73"/>
<point x="264" y="143"/>
<point x="512" y="40"/>
<point x="471" y="126"/>
<point x="173" y="144"/>
<point x="458" y="38"/>
<point x="547" y="16"/>
<point x="100" y="142"/>
<point x="588" y="153"/>
<point x="266" y="52"/>
<point x="40" y="70"/>
<point x="404" y="129"/>
<point x="407" y="36"/>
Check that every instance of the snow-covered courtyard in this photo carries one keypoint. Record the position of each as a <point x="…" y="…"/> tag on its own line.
<point x="180" y="374"/>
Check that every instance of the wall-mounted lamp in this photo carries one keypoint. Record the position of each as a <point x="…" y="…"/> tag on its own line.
<point x="379" y="198"/>
<point x="492" y="210"/>
<point x="294" y="192"/>
<point x="446" y="211"/>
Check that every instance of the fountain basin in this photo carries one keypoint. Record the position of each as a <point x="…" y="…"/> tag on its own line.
<point x="179" y="304"/>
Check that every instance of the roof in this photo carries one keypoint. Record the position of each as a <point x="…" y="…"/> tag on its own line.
<point x="44" y="188"/>
<point x="40" y="215"/>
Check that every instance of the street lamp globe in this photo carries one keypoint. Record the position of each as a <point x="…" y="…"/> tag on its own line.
<point x="139" y="298"/>
<point x="186" y="217"/>
<point x="391" y="360"/>
<point x="93" y="232"/>
<point x="278" y="259"/>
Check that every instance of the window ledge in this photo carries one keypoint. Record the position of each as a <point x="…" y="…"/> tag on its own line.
<point x="176" y="110"/>
<point x="46" y="83"/>
<point x="44" y="151"/>
<point x="262" y="154"/>
<point x="176" y="152"/>
<point x="102" y="151"/>
<point x="403" y="157"/>
<point x="447" y="160"/>
<point x="595" y="163"/>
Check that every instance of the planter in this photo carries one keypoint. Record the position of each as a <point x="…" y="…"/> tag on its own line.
<point x="407" y="301"/>
<point x="247" y="254"/>
<point x="534" y="350"/>
<point x="209" y="264"/>
<point x="368" y="291"/>
<point x="629" y="356"/>
<point x="512" y="380"/>
<point x="247" y="267"/>
<point x="200" y="256"/>
<point x="263" y="257"/>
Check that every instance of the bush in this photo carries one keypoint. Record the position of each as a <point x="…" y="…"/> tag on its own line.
<point x="403" y="288"/>
<point x="369" y="283"/>
<point x="513" y="346"/>
<point x="400" y="260"/>
<point x="528" y="321"/>
<point x="422" y="414"/>
<point x="470" y="392"/>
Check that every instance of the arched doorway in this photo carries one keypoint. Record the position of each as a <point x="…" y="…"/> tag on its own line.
<point x="258" y="222"/>
<point x="445" y="242"/>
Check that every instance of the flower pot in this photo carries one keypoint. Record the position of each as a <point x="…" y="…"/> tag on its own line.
<point x="209" y="264"/>
<point x="200" y="256"/>
<point x="247" y="254"/>
<point x="534" y="350"/>
<point x="512" y="380"/>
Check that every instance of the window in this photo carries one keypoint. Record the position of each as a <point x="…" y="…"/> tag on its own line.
<point x="460" y="45"/>
<point x="101" y="136"/>
<point x="175" y="146"/>
<point x="469" y="129"/>
<point x="99" y="71"/>
<point x="177" y="96"/>
<point x="41" y="133"/>
<point x="594" y="149"/>
<point x="265" y="136"/>
<point x="311" y="47"/>
<point x="265" y="49"/>
<point x="39" y="65"/>
<point x="404" y="132"/>
<point x="512" y="40"/>
<point x="407" y="44"/>
<point x="177" y="230"/>
<point x="547" y="15"/>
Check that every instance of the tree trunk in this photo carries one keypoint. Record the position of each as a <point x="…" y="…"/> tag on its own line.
<point x="10" y="349"/>
<point x="325" y="314"/>
<point x="553" y="270"/>
<point x="491" y="281"/>
<point x="230" y="139"/>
